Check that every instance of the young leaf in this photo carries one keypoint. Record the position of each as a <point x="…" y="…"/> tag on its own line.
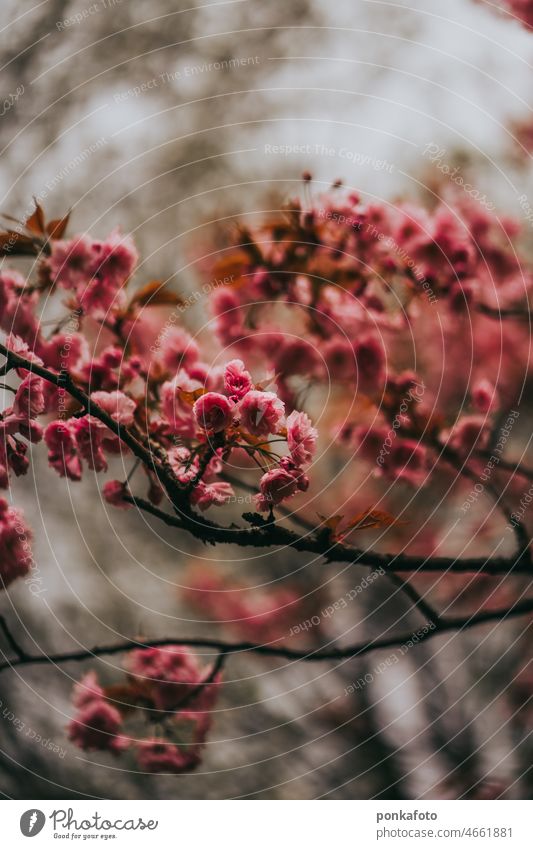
<point x="191" y="397"/>
<point x="57" y="226"/>
<point x="155" y="294"/>
<point x="36" y="223"/>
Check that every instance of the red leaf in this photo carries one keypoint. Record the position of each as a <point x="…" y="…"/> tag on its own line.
<point x="57" y="226"/>
<point x="36" y="223"/>
<point x="154" y="294"/>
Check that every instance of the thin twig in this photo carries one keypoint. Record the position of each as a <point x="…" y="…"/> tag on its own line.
<point x="275" y="535"/>
<point x="309" y="655"/>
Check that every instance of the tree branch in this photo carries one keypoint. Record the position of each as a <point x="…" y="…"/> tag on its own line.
<point x="268" y="650"/>
<point x="64" y="381"/>
<point x="275" y="535"/>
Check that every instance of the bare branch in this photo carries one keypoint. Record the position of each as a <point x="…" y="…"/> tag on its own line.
<point x="269" y="650"/>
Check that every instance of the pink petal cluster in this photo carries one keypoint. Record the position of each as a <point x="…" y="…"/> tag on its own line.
<point x="237" y="381"/>
<point x="18" y="421"/>
<point x="114" y="493"/>
<point x="521" y="9"/>
<point x="213" y="412"/>
<point x="117" y="404"/>
<point x="95" y="271"/>
<point x="261" y="616"/>
<point x="15" y="545"/>
<point x="97" y="724"/>
<point x="165" y="683"/>
<point x="261" y="413"/>
<point x="301" y="437"/>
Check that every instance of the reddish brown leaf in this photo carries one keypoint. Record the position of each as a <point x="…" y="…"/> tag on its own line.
<point x="190" y="397"/>
<point x="371" y="519"/>
<point x="124" y="697"/>
<point x="16" y="244"/>
<point x="57" y="226"/>
<point x="332" y="523"/>
<point x="155" y="294"/>
<point x="36" y="223"/>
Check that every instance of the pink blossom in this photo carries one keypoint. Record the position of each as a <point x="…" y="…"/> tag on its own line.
<point x="297" y="356"/>
<point x="60" y="439"/>
<point x="15" y="457"/>
<point x="206" y="495"/>
<point x="339" y="357"/>
<point x="226" y="307"/>
<point x="87" y="690"/>
<point x="116" y="258"/>
<point x="100" y="296"/>
<point x="370" y="363"/>
<point x="276" y="485"/>
<point x="468" y="433"/>
<point x="167" y="673"/>
<point x="117" y="404"/>
<point x="178" y="349"/>
<point x="155" y="755"/>
<point x="202" y="373"/>
<point x="97" y="726"/>
<point x="100" y="372"/>
<point x="261" y="412"/>
<point x="71" y="262"/>
<point x="213" y="412"/>
<point x="18" y="307"/>
<point x="179" y="459"/>
<point x="15" y="544"/>
<point x="484" y="396"/>
<point x="301" y="437"/>
<point x="114" y="492"/>
<point x="177" y="411"/>
<point x="237" y="381"/>
<point x="407" y="461"/>
<point x="16" y="423"/>
<point x="18" y="346"/>
<point x="12" y="284"/>
<point x="95" y="270"/>
<point x="29" y="399"/>
<point x="302" y="480"/>
<point x="88" y="433"/>
<point x="64" y="350"/>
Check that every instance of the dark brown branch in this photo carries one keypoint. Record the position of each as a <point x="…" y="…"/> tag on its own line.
<point x="10" y="639"/>
<point x="210" y="677"/>
<point x="523" y="313"/>
<point x="276" y="535"/>
<point x="310" y="655"/>
<point x="403" y="585"/>
<point x="510" y="466"/>
<point x="523" y="541"/>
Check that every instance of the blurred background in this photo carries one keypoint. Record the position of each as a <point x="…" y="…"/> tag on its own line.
<point x="172" y="123"/>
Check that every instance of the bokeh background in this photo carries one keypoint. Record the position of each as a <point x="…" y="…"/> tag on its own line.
<point x="172" y="120"/>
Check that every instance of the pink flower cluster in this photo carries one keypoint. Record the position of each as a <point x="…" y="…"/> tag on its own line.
<point x="363" y="283"/>
<point x="233" y="414"/>
<point x="18" y="421"/>
<point x="94" y="271"/>
<point x="88" y="438"/>
<point x="255" y="615"/>
<point x="193" y="414"/>
<point x="15" y="545"/>
<point x="165" y="686"/>
<point x="521" y="9"/>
